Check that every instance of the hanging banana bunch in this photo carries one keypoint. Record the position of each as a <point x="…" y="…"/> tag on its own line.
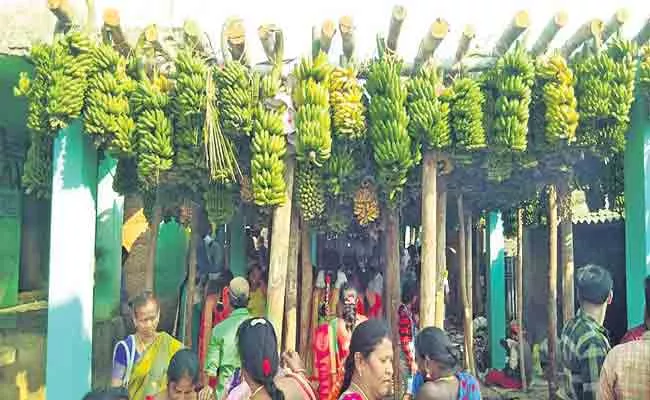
<point x="340" y="171"/>
<point x="220" y="204"/>
<point x="311" y="98"/>
<point x="269" y="144"/>
<point x="107" y="115"/>
<point x="236" y="99"/>
<point x="37" y="170"/>
<point x="428" y="114"/>
<point x="338" y="220"/>
<point x="466" y="114"/>
<point x="605" y="92"/>
<point x="388" y="123"/>
<point x="366" y="204"/>
<point x="126" y="176"/>
<point x="348" y="110"/>
<point x="310" y="194"/>
<point x="153" y="130"/>
<point x="559" y="100"/>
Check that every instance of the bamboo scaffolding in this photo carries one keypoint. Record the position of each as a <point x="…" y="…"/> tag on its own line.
<point x="556" y="23"/>
<point x="643" y="36"/>
<point x="112" y="32"/>
<point x="346" y="28"/>
<point x="520" y="295"/>
<point x="589" y="30"/>
<point x="615" y="23"/>
<point x="552" y="291"/>
<point x="327" y="32"/>
<point x="430" y="42"/>
<point x="395" y="28"/>
<point x="518" y="25"/>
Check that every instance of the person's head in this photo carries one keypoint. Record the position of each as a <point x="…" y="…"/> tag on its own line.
<point x="182" y="375"/>
<point x="108" y="394"/>
<point x="513" y="330"/>
<point x="258" y="351"/>
<point x="435" y="355"/>
<point x="594" y="286"/>
<point x="410" y="292"/>
<point x="370" y="361"/>
<point x="145" y="311"/>
<point x="348" y="300"/>
<point x="239" y="291"/>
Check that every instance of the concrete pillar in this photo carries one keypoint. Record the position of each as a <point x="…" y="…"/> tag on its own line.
<point x="108" y="249"/>
<point x="496" y="285"/>
<point x="637" y="205"/>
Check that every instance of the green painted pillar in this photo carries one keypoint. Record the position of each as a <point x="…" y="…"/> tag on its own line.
<point x="10" y="232"/>
<point x="313" y="236"/>
<point x="496" y="290"/>
<point x="171" y="263"/>
<point x="72" y="261"/>
<point x="637" y="206"/>
<point x="108" y="242"/>
<point x="238" y="262"/>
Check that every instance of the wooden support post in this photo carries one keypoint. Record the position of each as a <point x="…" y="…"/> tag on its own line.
<point x="152" y="246"/>
<point x="306" y="291"/>
<point x="195" y="237"/>
<point x="392" y="286"/>
<point x="643" y="36"/>
<point x="556" y="23"/>
<point x="112" y="32"/>
<point x="518" y="25"/>
<point x="280" y="254"/>
<point x="496" y="302"/>
<point x="108" y="255"/>
<point x="615" y="23"/>
<point x="395" y="28"/>
<point x="346" y="27"/>
<point x="237" y="261"/>
<point x="266" y="34"/>
<point x="552" y="291"/>
<point x="462" y="268"/>
<point x="566" y="251"/>
<point x="469" y="233"/>
<point x="291" y="308"/>
<point x="430" y="42"/>
<point x="463" y="45"/>
<point x="441" y="252"/>
<point x="70" y="301"/>
<point x="327" y="32"/>
<point x="589" y="30"/>
<point x="476" y="273"/>
<point x="520" y="294"/>
<point x="429" y="256"/>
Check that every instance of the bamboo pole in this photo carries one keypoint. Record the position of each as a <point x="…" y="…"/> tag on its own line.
<point x="430" y="42"/>
<point x="280" y="253"/>
<point x="392" y="285"/>
<point x="556" y="23"/>
<point x="615" y="23"/>
<point x="589" y="30"/>
<point x="520" y="294"/>
<point x="643" y="36"/>
<point x="463" y="45"/>
<point x="112" y="32"/>
<point x="191" y="277"/>
<point x="441" y="252"/>
<point x="518" y="25"/>
<point x="469" y="233"/>
<point x="346" y="28"/>
<point x="64" y="13"/>
<point x="306" y="292"/>
<point x="429" y="257"/>
<point x="327" y="32"/>
<point x="462" y="267"/>
<point x="292" y="282"/>
<point x="395" y="28"/>
<point x="552" y="290"/>
<point x="566" y="251"/>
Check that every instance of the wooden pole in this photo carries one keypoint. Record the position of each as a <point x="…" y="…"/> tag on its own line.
<point x="346" y="27"/>
<point x="112" y="32"/>
<point x="643" y="36"/>
<point x="280" y="253"/>
<point x="327" y="32"/>
<point x="441" y="252"/>
<point x="429" y="257"/>
<point x="566" y="251"/>
<point x="430" y="42"/>
<point x="518" y="25"/>
<point x="150" y="266"/>
<point x="520" y="294"/>
<point x="469" y="233"/>
<point x="552" y="290"/>
<point x="395" y="27"/>
<point x="292" y="282"/>
<point x="306" y="292"/>
<point x="392" y="285"/>
<point x="191" y="277"/>
<point x="465" y="40"/>
<point x="476" y="272"/>
<point x="615" y="23"/>
<point x="589" y="30"/>
<point x="462" y="267"/>
<point x="556" y="23"/>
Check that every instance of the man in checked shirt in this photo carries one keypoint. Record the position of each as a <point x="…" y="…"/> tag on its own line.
<point x="583" y="342"/>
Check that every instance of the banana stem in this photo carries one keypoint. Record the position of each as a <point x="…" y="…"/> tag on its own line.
<point x="112" y="32"/>
<point x="589" y="30"/>
<point x="346" y="27"/>
<point x="518" y="25"/>
<point x="556" y="23"/>
<point x="327" y="32"/>
<point x="615" y="23"/>
<point x="428" y="45"/>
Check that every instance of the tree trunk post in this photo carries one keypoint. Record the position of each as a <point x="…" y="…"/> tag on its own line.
<point x="154" y="225"/>
<point x="392" y="285"/>
<point x="441" y="253"/>
<point x="429" y="256"/>
<point x="476" y="279"/>
<point x="306" y="292"/>
<point x="552" y="290"/>
<point x="469" y="267"/>
<point x="520" y="293"/>
<point x="462" y="267"/>
<point x="566" y="251"/>
<point x="292" y="282"/>
<point x="190" y="285"/>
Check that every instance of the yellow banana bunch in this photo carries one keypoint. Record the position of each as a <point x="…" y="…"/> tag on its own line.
<point x="268" y="147"/>
<point x="348" y="110"/>
<point x="428" y="114"/>
<point x="220" y="204"/>
<point x="366" y="204"/>
<point x="388" y="126"/>
<point x="466" y="114"/>
<point x="236" y="98"/>
<point x="309" y="192"/>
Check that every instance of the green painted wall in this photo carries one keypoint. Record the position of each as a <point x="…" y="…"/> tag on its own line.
<point x="496" y="293"/>
<point x="10" y="232"/>
<point x="173" y="240"/>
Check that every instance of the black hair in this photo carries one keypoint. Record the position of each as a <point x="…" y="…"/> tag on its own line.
<point x="142" y="300"/>
<point x="365" y="338"/>
<point x="594" y="283"/>
<point x="433" y="343"/>
<point x="184" y="364"/>
<point x="108" y="394"/>
<point x="258" y="350"/>
<point x="349" y="311"/>
<point x="409" y="290"/>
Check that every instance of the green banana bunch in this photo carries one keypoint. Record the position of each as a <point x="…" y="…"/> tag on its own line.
<point x="348" y="110"/>
<point x="428" y="114"/>
<point x="466" y="114"/>
<point x="558" y="96"/>
<point x="318" y="70"/>
<point x="107" y="112"/>
<point x="236" y="98"/>
<point x="388" y="122"/>
<point x="221" y="202"/>
<point x="309" y="192"/>
<point x="37" y="170"/>
<point x="514" y="76"/>
<point x="338" y="220"/>
<point x="340" y="171"/>
<point x="126" y="176"/>
<point x="268" y="147"/>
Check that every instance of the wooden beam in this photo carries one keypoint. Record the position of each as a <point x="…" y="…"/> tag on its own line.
<point x="327" y="32"/>
<point x="441" y="250"/>
<point x="518" y="25"/>
<point x="615" y="23"/>
<point x="431" y="40"/>
<point x="190" y="285"/>
<point x="556" y="23"/>
<point x="64" y="14"/>
<point x="112" y="32"/>
<point x="589" y="30"/>
<point x="346" y="28"/>
<point x="643" y="36"/>
<point x="395" y="28"/>
<point x="89" y="27"/>
<point x="463" y="45"/>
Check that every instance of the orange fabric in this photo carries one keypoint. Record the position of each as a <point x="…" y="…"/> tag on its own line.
<point x="324" y="360"/>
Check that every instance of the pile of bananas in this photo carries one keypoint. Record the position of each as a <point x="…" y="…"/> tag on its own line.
<point x="514" y="76"/>
<point x="429" y="116"/>
<point x="466" y="114"/>
<point x="340" y="171"/>
<point x="311" y="98"/>
<point x="366" y="205"/>
<point x="309" y="192"/>
<point x="107" y="114"/>
<point x="388" y="122"/>
<point x="348" y="110"/>
<point x="268" y="148"/>
<point x="605" y="92"/>
<point x="560" y="115"/>
<point x="220" y="204"/>
<point x="236" y="98"/>
<point x="153" y="130"/>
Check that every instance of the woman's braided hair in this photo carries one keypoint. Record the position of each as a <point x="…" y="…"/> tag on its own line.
<point x="434" y="344"/>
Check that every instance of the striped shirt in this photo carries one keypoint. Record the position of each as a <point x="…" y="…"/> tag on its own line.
<point x="626" y="371"/>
